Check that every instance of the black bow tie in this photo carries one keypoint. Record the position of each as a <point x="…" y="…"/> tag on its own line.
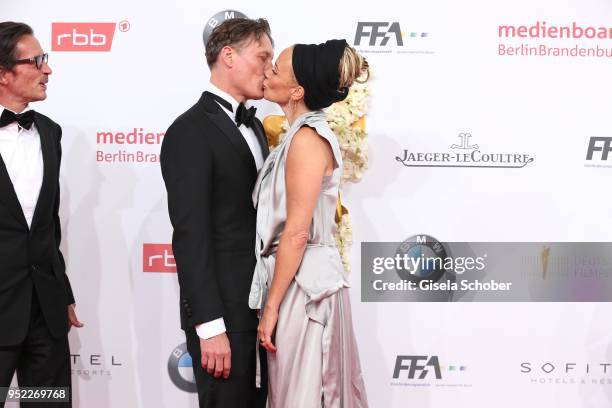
<point x="243" y="116"/>
<point x="25" y="119"/>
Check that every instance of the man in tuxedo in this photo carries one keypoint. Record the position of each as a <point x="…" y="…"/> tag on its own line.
<point x="209" y="159"/>
<point x="36" y="301"/>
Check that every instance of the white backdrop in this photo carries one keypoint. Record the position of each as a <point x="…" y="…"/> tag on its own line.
<point x="447" y="79"/>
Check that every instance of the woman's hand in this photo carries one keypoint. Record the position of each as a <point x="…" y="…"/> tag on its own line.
<point x="266" y="327"/>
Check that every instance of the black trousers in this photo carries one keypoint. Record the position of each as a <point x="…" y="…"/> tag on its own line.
<point x="40" y="360"/>
<point x="239" y="390"/>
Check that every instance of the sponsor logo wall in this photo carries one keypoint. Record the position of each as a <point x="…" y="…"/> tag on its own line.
<point x="487" y="123"/>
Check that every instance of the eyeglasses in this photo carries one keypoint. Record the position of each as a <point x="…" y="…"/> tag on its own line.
<point x="38" y="60"/>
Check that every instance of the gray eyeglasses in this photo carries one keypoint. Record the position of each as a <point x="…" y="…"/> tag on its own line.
<point x="38" y="60"/>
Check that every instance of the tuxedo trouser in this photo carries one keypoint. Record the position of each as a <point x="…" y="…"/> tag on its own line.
<point x="239" y="390"/>
<point x="40" y="360"/>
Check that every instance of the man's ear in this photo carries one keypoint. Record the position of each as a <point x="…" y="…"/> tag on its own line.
<point x="4" y="75"/>
<point x="226" y="56"/>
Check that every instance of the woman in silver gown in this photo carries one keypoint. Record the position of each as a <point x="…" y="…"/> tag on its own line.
<point x="299" y="285"/>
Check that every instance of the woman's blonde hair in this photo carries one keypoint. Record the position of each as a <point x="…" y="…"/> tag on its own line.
<point x="353" y="68"/>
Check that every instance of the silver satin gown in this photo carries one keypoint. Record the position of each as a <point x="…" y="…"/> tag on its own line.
<point x="317" y="361"/>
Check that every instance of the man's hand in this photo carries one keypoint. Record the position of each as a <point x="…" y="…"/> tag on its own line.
<point x="216" y="355"/>
<point x="72" y="318"/>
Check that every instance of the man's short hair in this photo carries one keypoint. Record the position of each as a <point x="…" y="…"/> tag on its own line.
<point x="10" y="34"/>
<point x="236" y="33"/>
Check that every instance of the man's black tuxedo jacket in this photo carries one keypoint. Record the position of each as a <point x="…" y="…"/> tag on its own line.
<point x="210" y="172"/>
<point x="31" y="256"/>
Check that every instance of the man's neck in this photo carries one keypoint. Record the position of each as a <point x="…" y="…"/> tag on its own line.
<point x="12" y="105"/>
<point x="225" y="87"/>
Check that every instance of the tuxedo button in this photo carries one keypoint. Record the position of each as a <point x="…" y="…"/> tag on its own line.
<point x="33" y="268"/>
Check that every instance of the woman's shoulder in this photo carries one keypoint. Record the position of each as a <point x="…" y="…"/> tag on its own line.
<point x="317" y="122"/>
<point x="315" y="139"/>
<point x="311" y="131"/>
<point x="307" y="140"/>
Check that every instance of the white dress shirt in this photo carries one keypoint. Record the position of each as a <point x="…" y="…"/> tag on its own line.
<point x="217" y="326"/>
<point x="22" y="155"/>
<point x="247" y="132"/>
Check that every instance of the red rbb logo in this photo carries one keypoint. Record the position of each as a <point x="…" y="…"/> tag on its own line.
<point x="82" y="36"/>
<point x="158" y="258"/>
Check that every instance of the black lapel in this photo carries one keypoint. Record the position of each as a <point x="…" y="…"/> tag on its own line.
<point x="8" y="195"/>
<point x="228" y="127"/>
<point x="261" y="137"/>
<point x="47" y="144"/>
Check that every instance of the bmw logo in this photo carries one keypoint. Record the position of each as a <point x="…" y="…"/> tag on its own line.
<point x="217" y="19"/>
<point x="180" y="369"/>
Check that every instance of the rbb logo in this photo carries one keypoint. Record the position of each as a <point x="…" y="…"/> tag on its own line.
<point x="158" y="258"/>
<point x="411" y="363"/>
<point x="599" y="144"/>
<point x="82" y="36"/>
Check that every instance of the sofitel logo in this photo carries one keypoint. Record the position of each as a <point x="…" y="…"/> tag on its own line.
<point x="89" y="365"/>
<point x="464" y="154"/>
<point x="567" y="373"/>
<point x="158" y="258"/>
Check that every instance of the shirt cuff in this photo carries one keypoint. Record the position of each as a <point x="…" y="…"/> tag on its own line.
<point x="211" y="329"/>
